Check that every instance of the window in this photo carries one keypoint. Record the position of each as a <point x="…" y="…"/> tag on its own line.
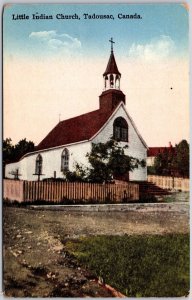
<point x="111" y="80"/>
<point x="117" y="82"/>
<point x="38" y="165"/>
<point x="120" y="130"/>
<point x="117" y="133"/>
<point x="65" y="160"/>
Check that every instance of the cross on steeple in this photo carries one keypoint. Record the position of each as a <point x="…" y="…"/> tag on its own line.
<point x="112" y="42"/>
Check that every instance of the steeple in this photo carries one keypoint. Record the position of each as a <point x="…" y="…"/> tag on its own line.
<point x="112" y="95"/>
<point x="111" y="75"/>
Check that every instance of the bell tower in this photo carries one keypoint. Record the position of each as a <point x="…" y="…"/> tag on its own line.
<point x="111" y="75"/>
<point x="112" y="95"/>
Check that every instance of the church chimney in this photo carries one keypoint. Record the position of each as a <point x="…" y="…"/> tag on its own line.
<point x="112" y="95"/>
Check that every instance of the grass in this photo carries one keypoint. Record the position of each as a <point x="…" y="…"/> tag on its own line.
<point x="138" y="266"/>
<point x="177" y="197"/>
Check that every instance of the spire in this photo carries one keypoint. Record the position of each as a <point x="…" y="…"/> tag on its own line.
<point x="112" y="75"/>
<point x="111" y="66"/>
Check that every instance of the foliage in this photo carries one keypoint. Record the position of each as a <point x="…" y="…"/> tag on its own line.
<point x="79" y="174"/>
<point x="13" y="153"/>
<point x="8" y="151"/>
<point x="164" y="162"/>
<point x="108" y="161"/>
<point x="151" y="170"/>
<point x="138" y="266"/>
<point x="173" y="162"/>
<point x="23" y="147"/>
<point x="181" y="161"/>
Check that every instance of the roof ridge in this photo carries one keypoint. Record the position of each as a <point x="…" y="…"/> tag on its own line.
<point x="79" y="116"/>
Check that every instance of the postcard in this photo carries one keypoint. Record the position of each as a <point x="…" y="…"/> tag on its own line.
<point x="96" y="150"/>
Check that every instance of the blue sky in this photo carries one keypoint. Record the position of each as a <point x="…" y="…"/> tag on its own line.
<point x="157" y="20"/>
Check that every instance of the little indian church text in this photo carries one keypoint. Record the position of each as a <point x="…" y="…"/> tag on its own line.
<point x="70" y="140"/>
<point x="85" y="16"/>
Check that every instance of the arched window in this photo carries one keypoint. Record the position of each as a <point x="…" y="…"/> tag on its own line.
<point x="39" y="164"/>
<point x="120" y="130"/>
<point x="65" y="160"/>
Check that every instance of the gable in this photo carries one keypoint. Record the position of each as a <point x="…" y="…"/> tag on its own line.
<point x="106" y="129"/>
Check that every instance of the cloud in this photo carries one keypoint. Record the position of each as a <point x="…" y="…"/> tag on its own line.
<point x="56" y="41"/>
<point x="43" y="35"/>
<point x="157" y="49"/>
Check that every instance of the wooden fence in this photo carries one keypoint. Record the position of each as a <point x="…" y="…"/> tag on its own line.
<point x="13" y="190"/>
<point x="76" y="192"/>
<point x="166" y="182"/>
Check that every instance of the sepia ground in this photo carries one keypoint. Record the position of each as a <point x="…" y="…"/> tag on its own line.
<point x="36" y="263"/>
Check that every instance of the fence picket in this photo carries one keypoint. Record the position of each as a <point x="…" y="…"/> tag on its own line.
<point x="167" y="182"/>
<point x="58" y="191"/>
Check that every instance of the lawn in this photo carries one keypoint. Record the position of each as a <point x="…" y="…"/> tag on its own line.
<point x="138" y="266"/>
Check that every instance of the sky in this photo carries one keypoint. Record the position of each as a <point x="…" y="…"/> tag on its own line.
<point x="52" y="69"/>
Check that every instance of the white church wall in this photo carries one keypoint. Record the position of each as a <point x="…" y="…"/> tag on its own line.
<point x="11" y="168"/>
<point x="51" y="162"/>
<point x="135" y="146"/>
<point x="77" y="153"/>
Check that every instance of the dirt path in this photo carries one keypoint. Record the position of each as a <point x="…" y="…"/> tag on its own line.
<point x="35" y="261"/>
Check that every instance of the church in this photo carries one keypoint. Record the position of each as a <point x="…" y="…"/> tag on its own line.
<point x="70" y="140"/>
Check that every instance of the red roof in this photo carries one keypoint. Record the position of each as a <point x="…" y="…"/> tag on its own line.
<point x="154" y="151"/>
<point x="111" y="66"/>
<point x="74" y="130"/>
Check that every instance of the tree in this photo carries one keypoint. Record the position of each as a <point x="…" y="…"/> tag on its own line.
<point x="174" y="161"/>
<point x="164" y="162"/>
<point x="13" y="153"/>
<point x="108" y="161"/>
<point x="8" y="152"/>
<point x="23" y="147"/>
<point x="181" y="159"/>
